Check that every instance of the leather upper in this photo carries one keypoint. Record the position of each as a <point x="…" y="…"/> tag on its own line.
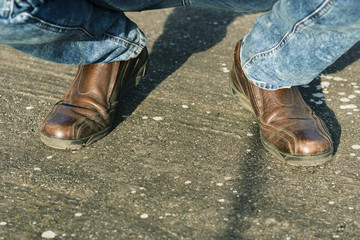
<point x="285" y="120"/>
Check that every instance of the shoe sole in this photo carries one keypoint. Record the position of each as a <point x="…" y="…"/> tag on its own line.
<point x="75" y="144"/>
<point x="294" y="160"/>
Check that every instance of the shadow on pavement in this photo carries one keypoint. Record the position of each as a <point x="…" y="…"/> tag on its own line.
<point x="188" y="30"/>
<point x="191" y="30"/>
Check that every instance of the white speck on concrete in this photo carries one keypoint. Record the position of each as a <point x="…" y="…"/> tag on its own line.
<point x="208" y="112"/>
<point x="48" y="234"/>
<point x="144" y="117"/>
<point x="249" y="134"/>
<point x="49" y="157"/>
<point x="219" y="184"/>
<point x="351" y="96"/>
<point x="339" y="79"/>
<point x="327" y="76"/>
<point x="37" y="169"/>
<point x="184" y="106"/>
<point x="341" y="93"/>
<point x="133" y="191"/>
<point x="3" y="223"/>
<point x="350" y="106"/>
<point x="331" y="202"/>
<point x="352" y="154"/>
<point x="78" y="214"/>
<point x="344" y="99"/>
<point x="248" y="150"/>
<point x="355" y="146"/>
<point x="226" y="70"/>
<point x="325" y="84"/>
<point x="187" y="182"/>
<point x="357" y="91"/>
<point x="349" y="113"/>
<point x="221" y="200"/>
<point x="318" y="95"/>
<point x="158" y="118"/>
<point x="351" y="208"/>
<point x="29" y="107"/>
<point x="144" y="216"/>
<point x="336" y="236"/>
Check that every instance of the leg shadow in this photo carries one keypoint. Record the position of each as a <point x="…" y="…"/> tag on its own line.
<point x="187" y="30"/>
<point x="248" y="190"/>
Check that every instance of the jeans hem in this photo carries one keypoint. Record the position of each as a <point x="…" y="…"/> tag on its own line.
<point x="320" y="11"/>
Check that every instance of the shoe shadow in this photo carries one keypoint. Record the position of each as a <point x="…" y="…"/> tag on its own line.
<point x="188" y="30"/>
<point x="317" y="103"/>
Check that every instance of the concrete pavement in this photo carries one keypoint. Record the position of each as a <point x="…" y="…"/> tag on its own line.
<point x="185" y="160"/>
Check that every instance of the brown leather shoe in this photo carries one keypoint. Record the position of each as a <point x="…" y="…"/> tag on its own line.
<point x="288" y="127"/>
<point x="86" y="112"/>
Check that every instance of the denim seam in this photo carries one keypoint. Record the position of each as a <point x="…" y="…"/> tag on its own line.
<point x="11" y="10"/>
<point x="288" y="36"/>
<point x="5" y="10"/>
<point x="124" y="41"/>
<point x="48" y="26"/>
<point x="186" y="2"/>
<point x="45" y="25"/>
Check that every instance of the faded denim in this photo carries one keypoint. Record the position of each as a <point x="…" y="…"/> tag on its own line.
<point x="295" y="41"/>
<point x="289" y="45"/>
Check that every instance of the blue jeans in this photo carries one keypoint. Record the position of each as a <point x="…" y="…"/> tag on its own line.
<point x="289" y="45"/>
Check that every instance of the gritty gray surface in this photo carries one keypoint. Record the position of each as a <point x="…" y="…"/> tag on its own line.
<point x="200" y="173"/>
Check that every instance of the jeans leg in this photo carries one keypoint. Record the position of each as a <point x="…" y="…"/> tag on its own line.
<point x="248" y="6"/>
<point x="137" y="5"/>
<point x="69" y="32"/>
<point x="295" y="41"/>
